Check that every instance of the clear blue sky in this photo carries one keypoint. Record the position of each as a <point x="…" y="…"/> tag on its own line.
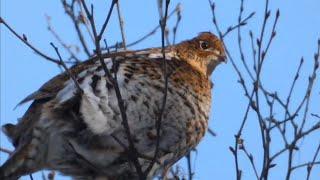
<point x="23" y="72"/>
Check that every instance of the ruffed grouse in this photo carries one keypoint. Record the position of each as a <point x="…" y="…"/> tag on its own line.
<point x="82" y="135"/>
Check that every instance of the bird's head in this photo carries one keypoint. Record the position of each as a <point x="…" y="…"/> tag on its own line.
<point x="203" y="52"/>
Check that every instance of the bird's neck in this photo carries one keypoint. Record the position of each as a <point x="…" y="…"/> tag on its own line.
<point x="200" y="66"/>
<point x="194" y="61"/>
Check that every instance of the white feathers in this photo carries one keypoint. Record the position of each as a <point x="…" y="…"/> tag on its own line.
<point x="96" y="111"/>
<point x="169" y="56"/>
<point x="93" y="116"/>
<point x="70" y="89"/>
<point x="94" y="106"/>
<point x="67" y="92"/>
<point x="155" y="54"/>
<point x="98" y="104"/>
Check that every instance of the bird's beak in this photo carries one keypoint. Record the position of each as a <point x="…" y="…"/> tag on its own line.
<point x="222" y="58"/>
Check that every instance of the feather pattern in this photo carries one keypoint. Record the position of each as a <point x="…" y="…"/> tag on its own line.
<point x="81" y="134"/>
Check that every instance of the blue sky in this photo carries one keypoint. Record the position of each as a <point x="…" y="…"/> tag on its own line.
<point x="23" y="72"/>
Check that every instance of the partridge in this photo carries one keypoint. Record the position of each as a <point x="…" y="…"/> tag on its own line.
<point x="81" y="134"/>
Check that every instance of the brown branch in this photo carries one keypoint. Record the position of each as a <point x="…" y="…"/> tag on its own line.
<point x="67" y="69"/>
<point x="220" y="34"/>
<point x="313" y="162"/>
<point x="292" y="147"/>
<point x="290" y="94"/>
<point x="84" y="20"/>
<point x="57" y="37"/>
<point x="5" y="150"/>
<point x="121" y="24"/>
<point x="104" y="26"/>
<point x="175" y="28"/>
<point x="190" y="173"/>
<point x="240" y="21"/>
<point x="241" y="81"/>
<point x="26" y="42"/>
<point x="310" y="86"/>
<point x="70" y="11"/>
<point x="243" y="22"/>
<point x="149" y="34"/>
<point x="251" y="159"/>
<point x="160" y="9"/>
<point x="267" y="123"/>
<point x="210" y="131"/>
<point x="315" y="115"/>
<point x="305" y="165"/>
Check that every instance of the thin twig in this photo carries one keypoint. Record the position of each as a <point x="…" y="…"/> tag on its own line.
<point x="313" y="162"/>
<point x="69" y="9"/>
<point x="210" y="131"/>
<point x="305" y="165"/>
<point x="291" y="91"/>
<point x="241" y="23"/>
<point x="190" y="172"/>
<point x="315" y="115"/>
<point x="26" y="42"/>
<point x="266" y="124"/>
<point x="175" y="28"/>
<point x="310" y="86"/>
<point x="149" y="34"/>
<point x="67" y="69"/>
<point x="57" y="37"/>
<point x="121" y="24"/>
<point x="104" y="26"/>
<point x="240" y="40"/>
<point x="250" y="157"/>
<point x="84" y="20"/>
<point x="5" y="150"/>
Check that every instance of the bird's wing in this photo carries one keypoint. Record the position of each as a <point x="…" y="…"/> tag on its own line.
<point x="53" y="86"/>
<point x="48" y="91"/>
<point x="63" y="90"/>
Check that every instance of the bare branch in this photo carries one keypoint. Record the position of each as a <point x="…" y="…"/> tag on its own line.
<point x="305" y="165"/>
<point x="243" y="22"/>
<point x="26" y="42"/>
<point x="250" y="157"/>
<point x="69" y="9"/>
<point x="149" y="34"/>
<point x="66" y="69"/>
<point x="175" y="28"/>
<point x="121" y="23"/>
<point x="313" y="162"/>
<point x="212" y="132"/>
<point x="104" y="26"/>
<point x="57" y="37"/>
<point x="5" y="150"/>
<point x="190" y="172"/>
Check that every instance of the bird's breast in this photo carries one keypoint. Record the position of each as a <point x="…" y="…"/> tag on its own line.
<point x="142" y="85"/>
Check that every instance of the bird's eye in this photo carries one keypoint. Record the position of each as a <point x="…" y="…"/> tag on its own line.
<point x="204" y="45"/>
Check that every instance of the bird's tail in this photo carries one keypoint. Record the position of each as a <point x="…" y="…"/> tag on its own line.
<point x="10" y="131"/>
<point x="30" y="145"/>
<point x="19" y="163"/>
<point x="28" y="156"/>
